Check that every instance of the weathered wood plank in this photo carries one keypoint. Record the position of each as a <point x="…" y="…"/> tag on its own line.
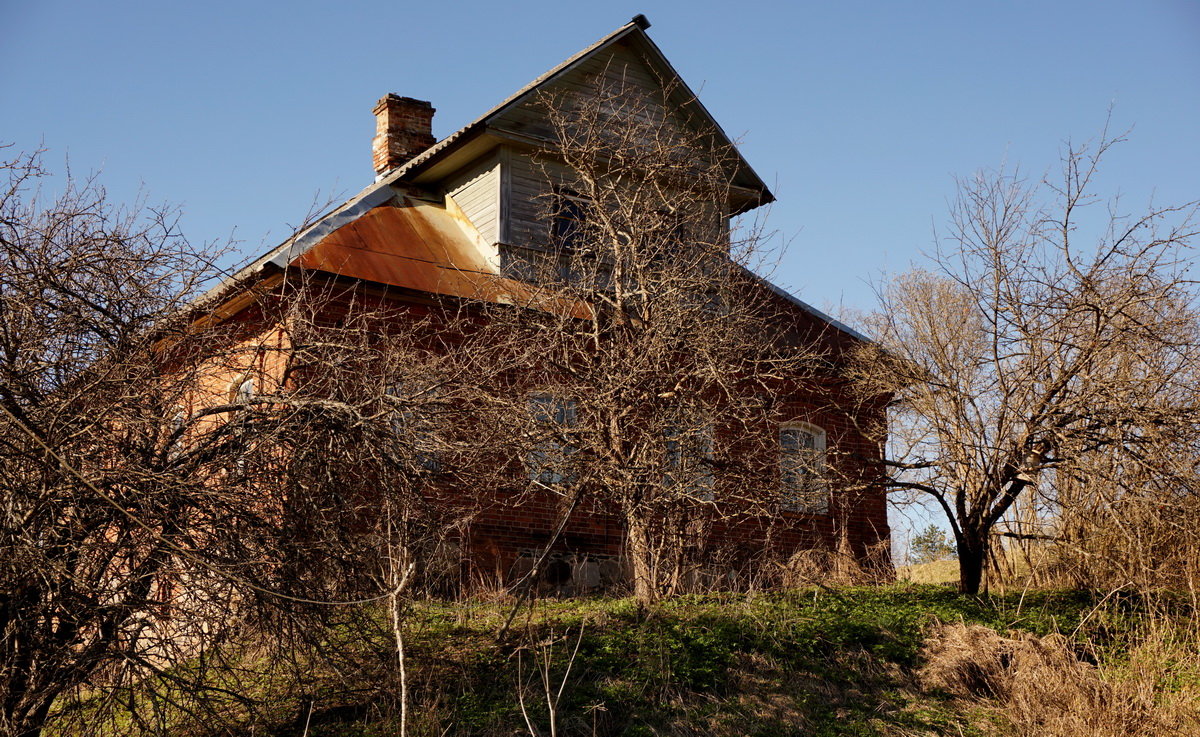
<point x="477" y="192"/>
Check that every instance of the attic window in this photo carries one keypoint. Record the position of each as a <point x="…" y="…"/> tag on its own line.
<point x="567" y="224"/>
<point x="669" y="227"/>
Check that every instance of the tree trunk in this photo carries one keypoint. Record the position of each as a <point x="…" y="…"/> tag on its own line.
<point x="845" y="568"/>
<point x="28" y="724"/>
<point x="641" y="555"/>
<point x="972" y="556"/>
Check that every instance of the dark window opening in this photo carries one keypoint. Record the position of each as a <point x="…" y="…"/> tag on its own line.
<point x="567" y="226"/>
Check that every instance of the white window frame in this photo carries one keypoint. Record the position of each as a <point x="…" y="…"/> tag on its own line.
<point x="242" y="389"/>
<point x="542" y="458"/>
<point x="679" y="451"/>
<point x="179" y="417"/>
<point x="406" y="422"/>
<point x="803" y="486"/>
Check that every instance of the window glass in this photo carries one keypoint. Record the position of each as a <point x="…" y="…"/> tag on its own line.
<point x="550" y="460"/>
<point x="688" y="459"/>
<point x="567" y="225"/>
<point x="413" y="423"/>
<point x="802" y="469"/>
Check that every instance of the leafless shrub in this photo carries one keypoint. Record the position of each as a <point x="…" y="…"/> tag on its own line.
<point x="95" y="500"/>
<point x="172" y="475"/>
<point x="1120" y="522"/>
<point x="550" y="683"/>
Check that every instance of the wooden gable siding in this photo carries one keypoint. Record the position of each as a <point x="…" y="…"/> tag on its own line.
<point x="530" y="186"/>
<point x="527" y="181"/>
<point x="476" y="191"/>
<point x="529" y="192"/>
<point x="617" y="68"/>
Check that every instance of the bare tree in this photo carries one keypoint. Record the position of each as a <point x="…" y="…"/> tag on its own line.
<point x="93" y="496"/>
<point x="1039" y="339"/>
<point x="656" y="363"/>
<point x="171" y="472"/>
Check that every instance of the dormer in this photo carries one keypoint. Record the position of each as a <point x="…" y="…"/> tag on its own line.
<point x="498" y="174"/>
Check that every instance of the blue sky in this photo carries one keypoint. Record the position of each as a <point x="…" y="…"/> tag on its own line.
<point x="859" y="114"/>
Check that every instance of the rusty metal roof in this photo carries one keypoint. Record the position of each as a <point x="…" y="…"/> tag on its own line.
<point x="409" y="244"/>
<point x="418" y="245"/>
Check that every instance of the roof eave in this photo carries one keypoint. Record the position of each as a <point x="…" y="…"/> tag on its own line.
<point x="806" y="307"/>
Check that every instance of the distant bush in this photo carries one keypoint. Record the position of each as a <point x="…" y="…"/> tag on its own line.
<point x="931" y="544"/>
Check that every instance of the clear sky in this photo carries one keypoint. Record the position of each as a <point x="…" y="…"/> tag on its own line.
<point x="858" y="114"/>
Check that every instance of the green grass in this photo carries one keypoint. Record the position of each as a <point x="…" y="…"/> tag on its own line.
<point x="818" y="661"/>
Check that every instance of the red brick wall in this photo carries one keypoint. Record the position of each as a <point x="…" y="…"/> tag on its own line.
<point x="508" y="525"/>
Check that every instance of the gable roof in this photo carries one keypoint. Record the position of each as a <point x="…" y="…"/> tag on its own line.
<point x="346" y="230"/>
<point x="634" y="34"/>
<point x="386" y="187"/>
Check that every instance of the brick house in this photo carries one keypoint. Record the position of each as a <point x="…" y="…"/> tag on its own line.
<point x="459" y="220"/>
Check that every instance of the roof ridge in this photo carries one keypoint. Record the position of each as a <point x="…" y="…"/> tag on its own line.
<point x="538" y="81"/>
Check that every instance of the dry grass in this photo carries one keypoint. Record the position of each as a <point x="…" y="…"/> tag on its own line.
<point x="939" y="571"/>
<point x="1042" y="687"/>
<point x="1012" y="568"/>
<point x="840" y="567"/>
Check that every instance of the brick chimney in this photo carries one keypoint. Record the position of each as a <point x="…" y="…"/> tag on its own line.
<point x="403" y="129"/>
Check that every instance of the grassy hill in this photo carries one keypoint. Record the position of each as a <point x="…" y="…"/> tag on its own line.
<point x="895" y="660"/>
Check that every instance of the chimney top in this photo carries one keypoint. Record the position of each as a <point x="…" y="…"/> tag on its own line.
<point x="403" y="129"/>
<point x="392" y="98"/>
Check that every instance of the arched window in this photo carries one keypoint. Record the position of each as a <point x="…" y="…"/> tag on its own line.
<point x="802" y="470"/>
